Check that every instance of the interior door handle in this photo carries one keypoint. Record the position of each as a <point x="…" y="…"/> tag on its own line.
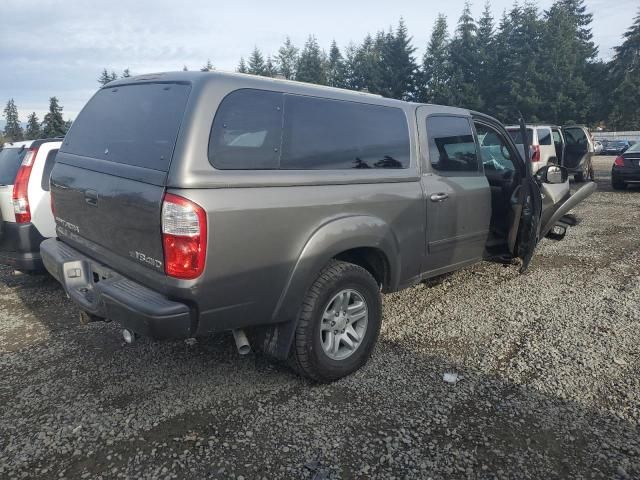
<point x="439" y="197"/>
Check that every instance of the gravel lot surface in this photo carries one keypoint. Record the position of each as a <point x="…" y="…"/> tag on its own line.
<point x="548" y="366"/>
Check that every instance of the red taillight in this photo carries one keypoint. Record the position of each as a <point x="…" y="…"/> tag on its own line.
<point x="184" y="237"/>
<point x="20" y="187"/>
<point x="619" y="161"/>
<point x="535" y="155"/>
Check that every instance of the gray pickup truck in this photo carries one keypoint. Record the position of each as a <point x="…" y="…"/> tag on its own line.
<point x="191" y="203"/>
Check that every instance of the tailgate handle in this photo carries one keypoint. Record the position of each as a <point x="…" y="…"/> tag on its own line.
<point x="91" y="197"/>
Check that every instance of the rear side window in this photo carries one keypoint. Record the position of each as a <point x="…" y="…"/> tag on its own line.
<point x="517" y="136"/>
<point x="10" y="161"/>
<point x="451" y="144"/>
<point x="132" y="124"/>
<point x="256" y="129"/>
<point x="247" y="131"/>
<point x="544" y="136"/>
<point x="324" y="134"/>
<point x="48" y="166"/>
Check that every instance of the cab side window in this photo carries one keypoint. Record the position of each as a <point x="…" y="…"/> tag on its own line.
<point x="451" y="145"/>
<point x="494" y="149"/>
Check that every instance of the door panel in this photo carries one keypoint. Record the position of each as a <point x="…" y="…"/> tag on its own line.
<point x="578" y="147"/>
<point x="457" y="194"/>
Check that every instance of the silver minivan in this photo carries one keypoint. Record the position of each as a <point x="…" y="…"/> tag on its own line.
<point x="190" y="203"/>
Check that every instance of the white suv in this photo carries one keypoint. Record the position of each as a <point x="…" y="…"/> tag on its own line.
<point x="25" y="202"/>
<point x="543" y="150"/>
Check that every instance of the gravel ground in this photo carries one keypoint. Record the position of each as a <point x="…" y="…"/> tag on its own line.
<point x="548" y="366"/>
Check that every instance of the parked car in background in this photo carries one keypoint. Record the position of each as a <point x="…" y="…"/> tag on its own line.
<point x="626" y="168"/>
<point x="615" y="147"/>
<point x="280" y="210"/>
<point x="25" y="204"/>
<point x="540" y="142"/>
<point x="570" y="147"/>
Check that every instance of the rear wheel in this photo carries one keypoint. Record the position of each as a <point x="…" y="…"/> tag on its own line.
<point x="338" y="324"/>
<point x="618" y="185"/>
<point x="586" y="174"/>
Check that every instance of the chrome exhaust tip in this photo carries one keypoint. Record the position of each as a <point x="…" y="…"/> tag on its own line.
<point x="242" y="342"/>
<point x="128" y="336"/>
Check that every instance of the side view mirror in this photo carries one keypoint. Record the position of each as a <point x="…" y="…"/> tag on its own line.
<point x="553" y="174"/>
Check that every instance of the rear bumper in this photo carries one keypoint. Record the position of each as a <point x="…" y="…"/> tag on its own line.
<point x="103" y="292"/>
<point x="625" y="174"/>
<point x="20" y="246"/>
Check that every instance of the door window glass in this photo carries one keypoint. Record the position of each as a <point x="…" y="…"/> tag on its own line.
<point x="494" y="150"/>
<point x="575" y="136"/>
<point x="451" y="144"/>
<point x="557" y="139"/>
<point x="544" y="136"/>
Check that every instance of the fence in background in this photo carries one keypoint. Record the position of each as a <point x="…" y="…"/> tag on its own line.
<point x="635" y="136"/>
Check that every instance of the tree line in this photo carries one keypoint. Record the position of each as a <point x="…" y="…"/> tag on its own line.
<point x="542" y="64"/>
<point x="53" y="125"/>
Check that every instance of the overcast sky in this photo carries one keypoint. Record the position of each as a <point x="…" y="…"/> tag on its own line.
<point x="50" y="47"/>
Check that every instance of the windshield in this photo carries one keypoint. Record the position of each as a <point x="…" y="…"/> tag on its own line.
<point x="517" y="136"/>
<point x="634" y="148"/>
<point x="10" y="160"/>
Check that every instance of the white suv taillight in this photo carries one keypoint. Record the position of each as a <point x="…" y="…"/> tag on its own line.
<point x="20" y="187"/>
<point x="184" y="237"/>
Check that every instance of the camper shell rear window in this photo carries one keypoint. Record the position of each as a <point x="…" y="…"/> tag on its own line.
<point x="130" y="124"/>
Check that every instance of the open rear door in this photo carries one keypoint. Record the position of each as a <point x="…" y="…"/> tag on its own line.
<point x="526" y="206"/>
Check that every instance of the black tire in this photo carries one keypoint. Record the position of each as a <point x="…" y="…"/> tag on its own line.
<point x="585" y="175"/>
<point x="618" y="185"/>
<point x="307" y="356"/>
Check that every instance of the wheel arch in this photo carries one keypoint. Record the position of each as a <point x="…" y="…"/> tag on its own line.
<point x="366" y="241"/>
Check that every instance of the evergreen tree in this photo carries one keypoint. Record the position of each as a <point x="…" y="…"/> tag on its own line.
<point x="12" y="129"/>
<point x="518" y="47"/>
<point x="367" y="70"/>
<point x="287" y="60"/>
<point x="53" y="124"/>
<point x="242" y="66"/>
<point x="625" y="67"/>
<point x="398" y="64"/>
<point x="207" y="67"/>
<point x="463" y="57"/>
<point x="184" y="68"/>
<point x="565" y="94"/>
<point x="581" y="19"/>
<point x="350" y="67"/>
<point x="312" y="63"/>
<point x="114" y="76"/>
<point x="126" y="73"/>
<point x="435" y="85"/>
<point x="487" y="56"/>
<point x="270" y="69"/>
<point x="105" y="77"/>
<point x="33" y="127"/>
<point x="336" y="67"/>
<point x="256" y="63"/>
